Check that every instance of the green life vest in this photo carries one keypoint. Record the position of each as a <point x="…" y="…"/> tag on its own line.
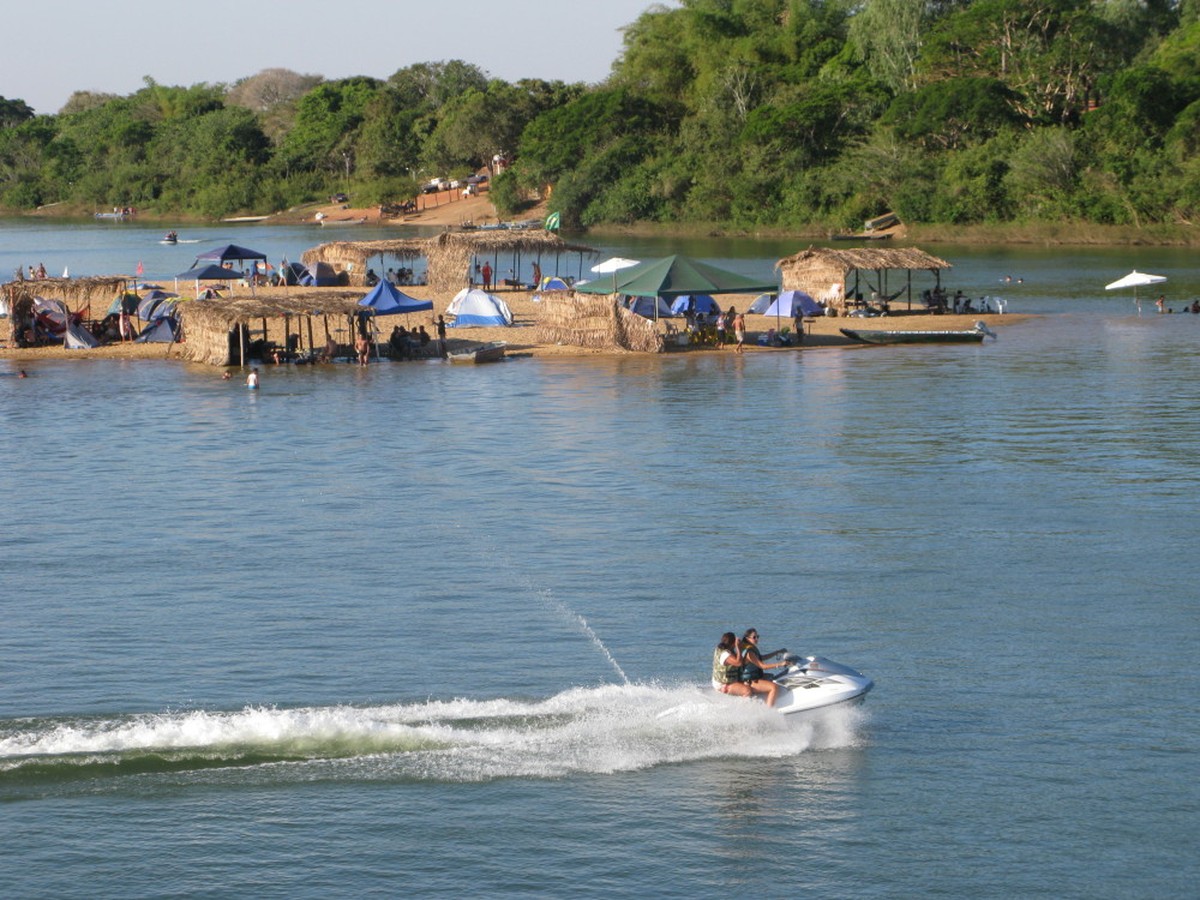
<point x="751" y="671"/>
<point x="724" y="673"/>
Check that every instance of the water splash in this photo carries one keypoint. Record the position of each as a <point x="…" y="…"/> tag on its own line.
<point x="552" y="602"/>
<point x="569" y="614"/>
<point x="597" y="730"/>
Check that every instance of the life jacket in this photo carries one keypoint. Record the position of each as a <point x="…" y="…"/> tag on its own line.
<point x="724" y="673"/>
<point x="751" y="671"/>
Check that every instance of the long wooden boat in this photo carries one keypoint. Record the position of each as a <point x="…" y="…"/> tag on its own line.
<point x="490" y="352"/>
<point x="867" y="336"/>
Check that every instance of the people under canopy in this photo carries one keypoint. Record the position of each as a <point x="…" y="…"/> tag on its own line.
<point x="386" y="300"/>
<point x="473" y="307"/>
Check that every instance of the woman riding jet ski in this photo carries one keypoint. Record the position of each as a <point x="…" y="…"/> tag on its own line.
<point x="803" y="684"/>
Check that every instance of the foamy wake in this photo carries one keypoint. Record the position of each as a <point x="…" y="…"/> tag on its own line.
<point x="583" y="730"/>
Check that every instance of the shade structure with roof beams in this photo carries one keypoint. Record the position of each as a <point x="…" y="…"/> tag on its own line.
<point x="210" y="272"/>
<point x="1135" y="280"/>
<point x="674" y="276"/>
<point x="229" y="253"/>
<point x="385" y="300"/>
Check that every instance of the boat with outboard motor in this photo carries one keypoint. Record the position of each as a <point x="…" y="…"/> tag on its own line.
<point x="814" y="682"/>
<point x="868" y="336"/>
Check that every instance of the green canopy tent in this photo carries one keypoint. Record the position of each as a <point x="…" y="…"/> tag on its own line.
<point x="674" y="276"/>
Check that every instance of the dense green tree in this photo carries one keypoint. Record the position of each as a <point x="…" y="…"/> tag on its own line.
<point x="327" y="122"/>
<point x="954" y="113"/>
<point x="14" y="112"/>
<point x="1049" y="53"/>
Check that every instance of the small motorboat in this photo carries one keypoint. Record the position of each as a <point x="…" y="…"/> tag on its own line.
<point x="814" y="682"/>
<point x="871" y="336"/>
<point x="494" y="351"/>
<point x="171" y="237"/>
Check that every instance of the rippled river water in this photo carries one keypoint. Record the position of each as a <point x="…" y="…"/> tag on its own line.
<point x="422" y="628"/>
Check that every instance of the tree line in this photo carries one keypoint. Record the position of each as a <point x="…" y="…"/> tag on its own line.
<point x="745" y="113"/>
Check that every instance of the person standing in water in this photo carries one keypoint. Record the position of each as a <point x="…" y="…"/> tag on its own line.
<point x="252" y="380"/>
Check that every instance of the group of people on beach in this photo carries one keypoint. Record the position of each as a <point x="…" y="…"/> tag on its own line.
<point x="740" y="669"/>
<point x="720" y="324"/>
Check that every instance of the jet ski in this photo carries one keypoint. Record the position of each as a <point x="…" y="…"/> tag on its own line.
<point x="813" y="682"/>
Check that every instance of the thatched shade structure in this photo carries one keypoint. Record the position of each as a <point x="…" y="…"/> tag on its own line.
<point x="353" y="257"/>
<point x="833" y="275"/>
<point x="449" y="254"/>
<point x="81" y="295"/>
<point x="598" y="323"/>
<point x="219" y="331"/>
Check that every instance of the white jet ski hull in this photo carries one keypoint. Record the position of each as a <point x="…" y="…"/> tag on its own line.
<point x="816" y="683"/>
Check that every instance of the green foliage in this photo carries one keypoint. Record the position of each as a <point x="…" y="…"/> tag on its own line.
<point x="747" y="113"/>
<point x="953" y="113"/>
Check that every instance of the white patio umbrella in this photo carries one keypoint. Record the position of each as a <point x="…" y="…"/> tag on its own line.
<point x="612" y="266"/>
<point x="1135" y="280"/>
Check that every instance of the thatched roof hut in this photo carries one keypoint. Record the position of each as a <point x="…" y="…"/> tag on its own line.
<point x="222" y="332"/>
<point x="450" y="254"/>
<point x="353" y="257"/>
<point x="595" y="322"/>
<point x="832" y="276"/>
<point x="89" y="297"/>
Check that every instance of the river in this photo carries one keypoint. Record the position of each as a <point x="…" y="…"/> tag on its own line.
<point x="424" y="628"/>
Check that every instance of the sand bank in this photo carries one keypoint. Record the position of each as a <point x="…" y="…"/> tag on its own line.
<point x="823" y="332"/>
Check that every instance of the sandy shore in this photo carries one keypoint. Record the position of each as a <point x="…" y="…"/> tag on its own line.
<point x="824" y="331"/>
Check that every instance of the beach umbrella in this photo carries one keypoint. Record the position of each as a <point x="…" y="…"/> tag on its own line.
<point x="613" y="264"/>
<point x="1135" y="280"/>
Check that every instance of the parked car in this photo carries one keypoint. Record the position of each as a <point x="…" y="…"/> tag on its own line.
<point x="340" y="198"/>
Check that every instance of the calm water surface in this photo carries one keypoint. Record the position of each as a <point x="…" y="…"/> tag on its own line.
<point x="421" y="627"/>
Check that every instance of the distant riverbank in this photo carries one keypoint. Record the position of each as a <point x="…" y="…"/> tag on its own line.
<point x="479" y="210"/>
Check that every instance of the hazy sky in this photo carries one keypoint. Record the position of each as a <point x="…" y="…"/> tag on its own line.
<point x="55" y="47"/>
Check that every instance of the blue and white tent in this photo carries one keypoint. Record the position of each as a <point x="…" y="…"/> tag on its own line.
<point x="761" y="304"/>
<point x="650" y="307"/>
<point x="473" y="307"/>
<point x="788" y="303"/>
<point x="697" y="303"/>
<point x="161" y="331"/>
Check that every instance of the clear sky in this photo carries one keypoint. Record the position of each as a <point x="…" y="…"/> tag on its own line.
<point x="55" y="47"/>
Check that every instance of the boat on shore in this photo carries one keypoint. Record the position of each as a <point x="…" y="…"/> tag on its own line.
<point x="869" y="336"/>
<point x="493" y="351"/>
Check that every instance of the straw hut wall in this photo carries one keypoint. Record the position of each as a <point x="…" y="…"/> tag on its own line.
<point x="816" y="271"/>
<point x="89" y="297"/>
<point x="354" y="257"/>
<point x="595" y="322"/>
<point x="211" y="327"/>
